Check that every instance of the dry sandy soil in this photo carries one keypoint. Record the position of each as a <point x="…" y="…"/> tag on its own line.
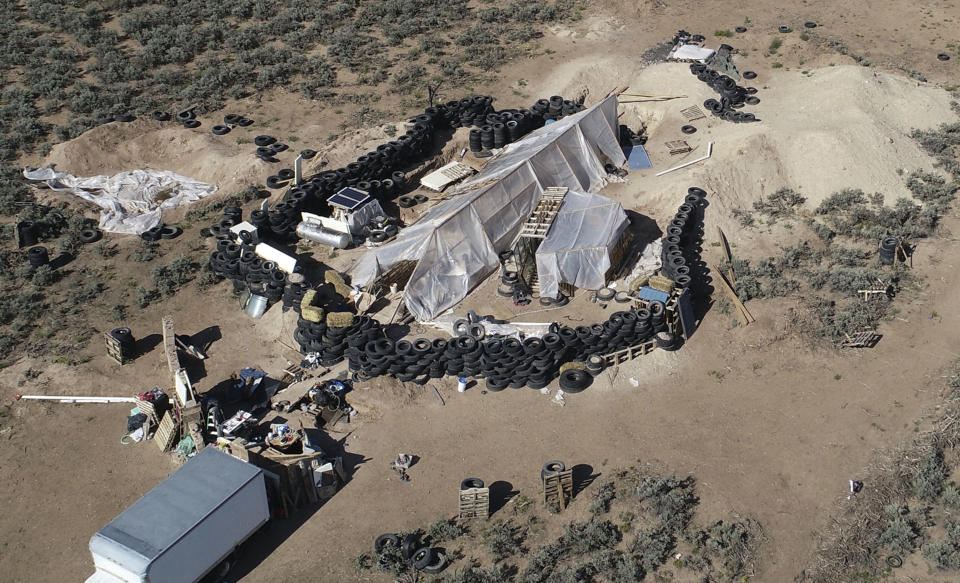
<point x="769" y="427"/>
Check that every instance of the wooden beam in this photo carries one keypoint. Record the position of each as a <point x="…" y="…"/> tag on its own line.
<point x="745" y="314"/>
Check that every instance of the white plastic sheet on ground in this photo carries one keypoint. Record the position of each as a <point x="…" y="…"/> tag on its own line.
<point x="577" y="247"/>
<point x="457" y="241"/>
<point x="128" y="199"/>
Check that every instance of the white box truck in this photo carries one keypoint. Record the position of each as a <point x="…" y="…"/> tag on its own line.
<point x="184" y="527"/>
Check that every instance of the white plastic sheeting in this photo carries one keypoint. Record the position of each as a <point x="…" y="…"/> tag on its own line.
<point x="577" y="247"/>
<point x="457" y="241"/>
<point x="128" y="199"/>
<point x="359" y="218"/>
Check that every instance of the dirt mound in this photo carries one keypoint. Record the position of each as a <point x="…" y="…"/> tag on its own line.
<point x="197" y="154"/>
<point x="833" y="128"/>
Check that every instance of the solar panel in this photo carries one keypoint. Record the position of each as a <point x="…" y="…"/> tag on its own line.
<point x="349" y="198"/>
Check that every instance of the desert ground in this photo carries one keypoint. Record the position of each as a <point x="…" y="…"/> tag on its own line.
<point x="771" y="426"/>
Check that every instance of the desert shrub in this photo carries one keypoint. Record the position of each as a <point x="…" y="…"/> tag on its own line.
<point x="44" y="276"/>
<point x="953" y="532"/>
<point x="444" y="529"/>
<point x="147" y="251"/>
<point x="592" y="535"/>
<point x="950" y="497"/>
<point x="653" y="546"/>
<point x="617" y="566"/>
<point x="732" y="543"/>
<point x="931" y="188"/>
<point x="850" y="279"/>
<point x="478" y="574"/>
<point x="942" y="555"/>
<point x="901" y="534"/>
<point x="841" y="201"/>
<point x="602" y="498"/>
<point x="781" y="203"/>
<point x="504" y="539"/>
<point x="171" y="278"/>
<point x="930" y="473"/>
<point x="409" y="78"/>
<point x="541" y="564"/>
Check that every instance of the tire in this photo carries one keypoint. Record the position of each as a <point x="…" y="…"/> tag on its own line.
<point x="185" y="115"/>
<point x="264" y="141"/>
<point x="161" y="115"/>
<point x="574" y="380"/>
<point x="231" y="119"/>
<point x="460" y="326"/>
<point x="385" y="540"/>
<point x="439" y="564"/>
<point x="784" y="28"/>
<point x="278" y="147"/>
<point x="406" y="202"/>
<point x="666" y="341"/>
<point x="90" y="235"/>
<point x="894" y="561"/>
<point x="378" y="236"/>
<point x="943" y="56"/>
<point x="606" y="294"/>
<point x="505" y="290"/>
<point x="752" y="100"/>
<point x="495" y="384"/>
<point x="420" y="199"/>
<point x="477" y="331"/>
<point x="509" y="277"/>
<point x="741" y="29"/>
<point x="170" y="232"/>
<point x="410" y="544"/>
<point x="285" y="174"/>
<point x="749" y="75"/>
<point x="422" y="558"/>
<point x="810" y="24"/>
<point x="552" y="467"/>
<point x="244" y="122"/>
<point x="125" y="118"/>
<point x="623" y="297"/>
<point x="688" y="129"/>
<point x="545" y="301"/>
<point x="561" y="301"/>
<point x="308" y="154"/>
<point x="220" y="130"/>
<point x="191" y="124"/>
<point x="469" y="483"/>
<point x="276" y="183"/>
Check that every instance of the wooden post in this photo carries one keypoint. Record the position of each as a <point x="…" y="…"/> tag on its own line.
<point x="745" y="316"/>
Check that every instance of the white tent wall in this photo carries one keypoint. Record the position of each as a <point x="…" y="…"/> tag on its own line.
<point x="577" y="247"/>
<point x="456" y="242"/>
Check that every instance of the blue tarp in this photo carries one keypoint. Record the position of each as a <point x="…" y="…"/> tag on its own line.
<point x="648" y="293"/>
<point x="637" y="158"/>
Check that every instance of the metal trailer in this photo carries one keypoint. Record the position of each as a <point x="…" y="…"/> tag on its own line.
<point x="184" y="527"/>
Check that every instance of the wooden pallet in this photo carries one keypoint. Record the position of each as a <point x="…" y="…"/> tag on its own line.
<point x="622" y="356"/>
<point x="538" y="224"/>
<point x="474" y="503"/>
<point x="678" y="147"/>
<point x="865" y="339"/>
<point x="114" y="350"/>
<point x="558" y="488"/>
<point x="693" y="113"/>
<point x="166" y="432"/>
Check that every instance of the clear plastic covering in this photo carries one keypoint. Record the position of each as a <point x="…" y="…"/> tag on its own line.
<point x="457" y="241"/>
<point x="577" y="247"/>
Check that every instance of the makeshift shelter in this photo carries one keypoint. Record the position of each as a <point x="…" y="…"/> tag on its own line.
<point x="580" y="247"/>
<point x="455" y="244"/>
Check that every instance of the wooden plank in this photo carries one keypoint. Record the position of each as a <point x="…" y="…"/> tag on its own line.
<point x="170" y="346"/>
<point x="724" y="245"/>
<point x="745" y="316"/>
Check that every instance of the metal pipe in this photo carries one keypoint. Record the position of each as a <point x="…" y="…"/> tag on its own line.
<point x="684" y="165"/>
<point x="77" y="399"/>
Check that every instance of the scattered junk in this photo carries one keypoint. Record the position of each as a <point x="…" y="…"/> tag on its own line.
<point x="133" y="201"/>
<point x="187" y="526"/>
<point x="862" y="339"/>
<point x="688" y="48"/>
<point x="390" y="549"/>
<point x="401" y="465"/>
<point x="691" y="162"/>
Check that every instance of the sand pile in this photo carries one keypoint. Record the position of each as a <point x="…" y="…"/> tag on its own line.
<point x="147" y="144"/>
<point x="839" y="127"/>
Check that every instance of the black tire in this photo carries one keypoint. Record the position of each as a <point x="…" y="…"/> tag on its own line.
<point x="741" y="29"/>
<point x="278" y="147"/>
<point x="420" y="198"/>
<point x="244" y="122"/>
<point x="545" y="301"/>
<point x="477" y="331"/>
<point x="308" y="154"/>
<point x="231" y="119"/>
<point x="122" y="335"/>
<point x="497" y="384"/>
<point x="688" y="129"/>
<point x="469" y="483"/>
<point x="191" y="124"/>
<point x="220" y="130"/>
<point x="606" y="294"/>
<point x="574" y="380"/>
<point x="423" y="558"/>
<point x="377" y="236"/>
<point x="126" y="118"/>
<point x="561" y="301"/>
<point x="385" y="540"/>
<point x="170" y="232"/>
<point x="784" y="28"/>
<point x="752" y="100"/>
<point x="185" y="115"/>
<point x="276" y="183"/>
<point x="406" y="202"/>
<point x="286" y="174"/>
<point x="623" y="297"/>
<point x="90" y="235"/>
<point x="460" y="326"/>
<point x="943" y="56"/>
<point x="161" y="115"/>
<point x="810" y="24"/>
<point x="410" y="544"/>
<point x="552" y="467"/>
<point x="439" y="564"/>
<point x="894" y="561"/>
<point x="264" y="141"/>
<point x="505" y="290"/>
<point x="749" y="75"/>
<point x="509" y="277"/>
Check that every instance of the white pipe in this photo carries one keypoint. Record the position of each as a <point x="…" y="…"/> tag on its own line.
<point x="685" y="164"/>
<point x="77" y="399"/>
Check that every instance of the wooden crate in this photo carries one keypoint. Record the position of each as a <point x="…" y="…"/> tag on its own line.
<point x="474" y="503"/>
<point x="558" y="488"/>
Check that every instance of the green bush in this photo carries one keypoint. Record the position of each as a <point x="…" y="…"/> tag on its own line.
<point x="602" y="498"/>
<point x="901" y="535"/>
<point x="444" y="529"/>
<point x="589" y="536"/>
<point x="942" y="555"/>
<point x="478" y="574"/>
<point x="653" y="546"/>
<point x="503" y="540"/>
<point x="781" y="203"/>
<point x="930" y="474"/>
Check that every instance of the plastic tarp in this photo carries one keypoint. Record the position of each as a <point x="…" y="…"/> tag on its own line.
<point x="359" y="218"/>
<point x="577" y="248"/>
<point x="456" y="242"/>
<point x="128" y="199"/>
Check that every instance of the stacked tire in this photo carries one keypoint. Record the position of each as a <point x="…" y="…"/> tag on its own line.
<point x="681" y="236"/>
<point x="126" y="342"/>
<point x="888" y="250"/>
<point x="732" y="96"/>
